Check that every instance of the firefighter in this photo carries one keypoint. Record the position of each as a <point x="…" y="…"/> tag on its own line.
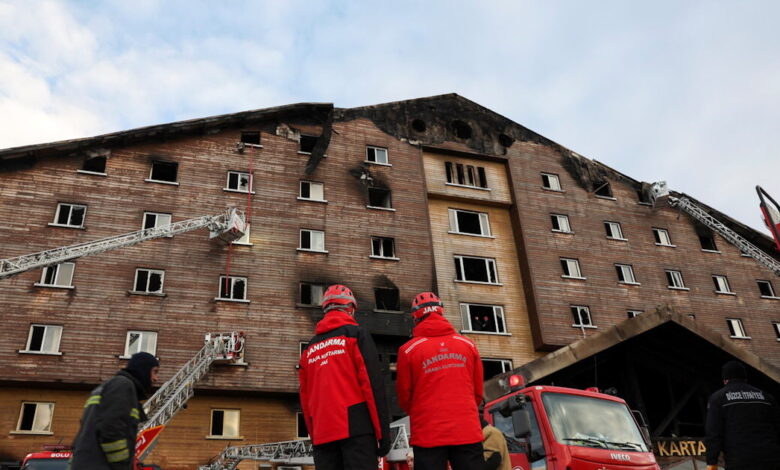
<point x="495" y="449"/>
<point x="109" y="425"/>
<point x="440" y="385"/>
<point x="342" y="391"/>
<point x="743" y="422"/>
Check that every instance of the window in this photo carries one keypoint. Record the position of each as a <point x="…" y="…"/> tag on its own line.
<point x="164" y="172"/>
<point x="387" y="298"/>
<point x="310" y="294"/>
<point x="224" y="423"/>
<point x="239" y="181"/>
<point x="302" y="347"/>
<point x="94" y="165"/>
<point x="383" y="247"/>
<point x="613" y="230"/>
<point x="625" y="274"/>
<point x="493" y="367"/>
<point x="311" y="191"/>
<point x="475" y="269"/>
<point x="603" y="189"/>
<point x="70" y="215"/>
<point x="551" y="181"/>
<point x="765" y="288"/>
<point x="661" y="236"/>
<point x="156" y="219"/>
<point x="300" y="427"/>
<point x="312" y="240"/>
<point x="140" y="341"/>
<point x="246" y="237"/>
<point x="643" y="197"/>
<point x="35" y="417"/>
<point x="581" y="316"/>
<point x="736" y="328"/>
<point x="560" y="223"/>
<point x="59" y="275"/>
<point x="708" y="242"/>
<point x="721" y="284"/>
<point x="376" y="155"/>
<point x="571" y="268"/>
<point x="251" y="138"/>
<point x="635" y="313"/>
<point x="674" y="280"/>
<point x="466" y="175"/>
<point x="232" y="288"/>
<point x="307" y="143"/>
<point x="471" y="223"/>
<point x="149" y="281"/>
<point x="484" y="318"/>
<point x="44" y="339"/>
<point x="379" y="197"/>
<point x="776" y="326"/>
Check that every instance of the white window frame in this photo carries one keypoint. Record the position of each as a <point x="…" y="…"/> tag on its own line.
<point x="674" y="279"/>
<point x="157" y="224"/>
<point x="381" y="254"/>
<point x="633" y="313"/>
<point x="506" y="364"/>
<point x="225" y="411"/>
<point x="776" y="326"/>
<point x="580" y="310"/>
<point x="151" y="172"/>
<point x="240" y="174"/>
<point x="484" y="223"/>
<point x="41" y="431"/>
<point x="63" y="275"/>
<point x="614" y="231"/>
<point x="722" y="284"/>
<point x="737" y="328"/>
<point x="316" y="246"/>
<point x="245" y="239"/>
<point x="389" y="199"/>
<point x="314" y="286"/>
<point x="662" y="236"/>
<point x="551" y="182"/>
<point x="149" y="271"/>
<point x="572" y="265"/>
<point x="626" y="271"/>
<point x="490" y="267"/>
<point x="499" y="319"/>
<point x="144" y="337"/>
<point x="771" y="289"/>
<point x="70" y="207"/>
<point x="311" y="184"/>
<point x="232" y="281"/>
<point x="557" y="219"/>
<point x="377" y="151"/>
<point x="472" y="178"/>
<point x="53" y="332"/>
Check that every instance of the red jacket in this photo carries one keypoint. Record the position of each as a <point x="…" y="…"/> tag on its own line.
<point x="439" y="385"/>
<point x="341" y="388"/>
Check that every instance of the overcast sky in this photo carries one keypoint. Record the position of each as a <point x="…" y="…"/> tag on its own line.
<point x="682" y="91"/>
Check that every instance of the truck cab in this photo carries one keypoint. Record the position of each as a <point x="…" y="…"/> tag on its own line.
<point x="556" y="428"/>
<point x="47" y="460"/>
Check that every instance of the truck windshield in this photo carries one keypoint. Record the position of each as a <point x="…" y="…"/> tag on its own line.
<point x="46" y="464"/>
<point x="592" y="422"/>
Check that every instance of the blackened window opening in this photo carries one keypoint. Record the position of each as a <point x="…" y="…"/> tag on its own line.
<point x="28" y="417"/>
<point x="468" y="222"/>
<point x="217" y="422"/>
<point x="483" y="319"/>
<point x="491" y="369"/>
<point x="475" y="269"/>
<point x="708" y="242"/>
<point x="765" y="287"/>
<point x="36" y="339"/>
<point x="387" y="299"/>
<point x="307" y="143"/>
<point x="164" y="171"/>
<point x="95" y="165"/>
<point x="250" y="137"/>
<point x="603" y="189"/>
<point x="379" y="197"/>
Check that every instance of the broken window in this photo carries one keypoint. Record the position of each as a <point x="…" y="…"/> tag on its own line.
<point x="149" y="281"/>
<point x="551" y="181"/>
<point x="614" y="231"/>
<point x="765" y="288"/>
<point x="225" y="423"/>
<point x="484" y="318"/>
<point x="721" y="284"/>
<point x="300" y="427"/>
<point x="164" y="171"/>
<point x="625" y="274"/>
<point x="643" y="197"/>
<point x="461" y="129"/>
<point x="379" y="197"/>
<point x="494" y="367"/>
<point x="634" y="313"/>
<point x="245" y="238"/>
<point x="232" y="288"/>
<point x="312" y="191"/>
<point x="661" y="236"/>
<point x="776" y="326"/>
<point x="708" y="242"/>
<point x="59" y="275"/>
<point x="44" y="339"/>
<point x="581" y="315"/>
<point x="383" y="247"/>
<point x="465" y="175"/>
<point x="376" y="155"/>
<point x="603" y="189"/>
<point x="387" y="298"/>
<point x="310" y="294"/>
<point x="250" y="137"/>
<point x="419" y="125"/>
<point x="35" y="417"/>
<point x="560" y="223"/>
<point x="70" y="215"/>
<point x="674" y="279"/>
<point x="94" y="165"/>
<point x="155" y="220"/>
<point x="307" y="143"/>
<point x="140" y="341"/>
<point x="736" y="328"/>
<point x="239" y="181"/>
<point x="571" y="268"/>
<point x="312" y="240"/>
<point x="476" y="269"/>
<point x="472" y="223"/>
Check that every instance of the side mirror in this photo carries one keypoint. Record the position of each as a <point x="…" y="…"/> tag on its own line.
<point x="521" y="421"/>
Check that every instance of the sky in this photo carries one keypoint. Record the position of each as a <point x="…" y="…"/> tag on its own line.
<point x="683" y="91"/>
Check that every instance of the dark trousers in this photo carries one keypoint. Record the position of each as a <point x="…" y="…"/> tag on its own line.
<point x="352" y="453"/>
<point x="462" y="457"/>
<point x="760" y="466"/>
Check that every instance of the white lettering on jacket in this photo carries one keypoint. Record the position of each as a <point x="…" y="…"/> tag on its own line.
<point x="744" y="395"/>
<point x="324" y="344"/>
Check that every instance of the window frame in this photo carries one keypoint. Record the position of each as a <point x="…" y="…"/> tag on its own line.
<point x="56" y="350"/>
<point x="609" y="227"/>
<point x="506" y="364"/>
<point x="70" y="206"/>
<point x="388" y="198"/>
<point x="711" y="237"/>
<point x="224" y="436"/>
<point x="771" y="289"/>
<point x="489" y="262"/>
<point x="621" y="269"/>
<point x="556" y="218"/>
<point x="151" y="172"/>
<point x="57" y="273"/>
<point x="657" y="231"/>
<point x="459" y="174"/>
<point x="161" y="272"/>
<point x="720" y="281"/>
<point x="47" y="431"/>
<point x="566" y="264"/>
<point x="376" y="302"/>
<point x="578" y="316"/>
<point x="144" y="336"/>
<point x="736" y="326"/>
<point x="156" y="220"/>
<point x="300" y="303"/>
<point x="232" y="287"/>
<point x="311" y="240"/>
<point x="484" y="223"/>
<point x="633" y="313"/>
<point x="377" y="162"/>
<point x="776" y="326"/>
<point x="250" y="189"/>
<point x="299" y="418"/>
<point x="547" y="177"/>
<point x="311" y="183"/>
<point x="381" y="240"/>
<point x="671" y="279"/>
<point x="498" y="315"/>
<point x="246" y="238"/>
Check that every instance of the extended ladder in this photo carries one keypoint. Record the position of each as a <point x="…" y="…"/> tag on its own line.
<point x="660" y="192"/>
<point x="228" y="226"/>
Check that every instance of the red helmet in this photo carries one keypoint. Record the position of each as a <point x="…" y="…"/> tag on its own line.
<point x="424" y="304"/>
<point x="337" y="296"/>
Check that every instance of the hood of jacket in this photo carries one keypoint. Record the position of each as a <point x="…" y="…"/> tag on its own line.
<point x="334" y="319"/>
<point x="140" y="393"/>
<point x="434" y="325"/>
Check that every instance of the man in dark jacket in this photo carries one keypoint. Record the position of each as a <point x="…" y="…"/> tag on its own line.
<point x="109" y="425"/>
<point x="743" y="422"/>
<point x="341" y="389"/>
<point x="440" y="385"/>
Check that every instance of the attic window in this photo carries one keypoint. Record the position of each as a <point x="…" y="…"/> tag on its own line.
<point x="379" y="197"/>
<point x="461" y="129"/>
<point x="603" y="189"/>
<point x="95" y="165"/>
<point x="387" y="299"/>
<point x="505" y="140"/>
<point x="250" y="137"/>
<point x="643" y="196"/>
<point x="164" y="171"/>
<point x="419" y="125"/>
<point x="708" y="242"/>
<point x="307" y="143"/>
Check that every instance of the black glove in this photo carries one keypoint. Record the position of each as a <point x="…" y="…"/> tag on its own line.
<point x="383" y="446"/>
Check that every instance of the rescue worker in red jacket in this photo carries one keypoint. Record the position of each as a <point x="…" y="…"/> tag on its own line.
<point x="342" y="391"/>
<point x="439" y="385"/>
